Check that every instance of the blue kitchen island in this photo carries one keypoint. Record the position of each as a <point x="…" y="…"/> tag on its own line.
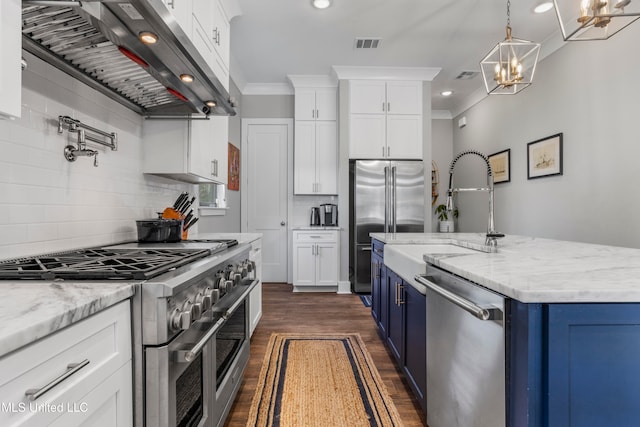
<point x="571" y="322"/>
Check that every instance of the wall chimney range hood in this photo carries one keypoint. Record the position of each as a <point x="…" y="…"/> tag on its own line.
<point x="97" y="43"/>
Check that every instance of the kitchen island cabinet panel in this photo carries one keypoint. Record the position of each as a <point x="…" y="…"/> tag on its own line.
<point x="402" y="324"/>
<point x="415" y="341"/>
<point x="395" y="328"/>
<point x="574" y="365"/>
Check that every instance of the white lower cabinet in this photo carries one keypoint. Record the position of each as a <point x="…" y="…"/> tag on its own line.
<point x="315" y="260"/>
<point x="255" y="297"/>
<point x="78" y="376"/>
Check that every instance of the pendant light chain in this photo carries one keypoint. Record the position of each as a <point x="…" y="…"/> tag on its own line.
<point x="508" y="13"/>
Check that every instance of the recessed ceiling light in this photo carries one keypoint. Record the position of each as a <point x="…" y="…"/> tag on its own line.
<point x="543" y="7"/>
<point x="211" y="104"/>
<point x="187" y="78"/>
<point x="321" y="4"/>
<point x="446" y="93"/>
<point x="147" y="37"/>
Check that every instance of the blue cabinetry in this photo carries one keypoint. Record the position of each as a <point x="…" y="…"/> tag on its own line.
<point x="574" y="365"/>
<point x="400" y="312"/>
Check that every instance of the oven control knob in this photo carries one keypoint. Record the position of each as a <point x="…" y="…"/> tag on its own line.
<point x="196" y="311"/>
<point x="204" y="300"/>
<point x="237" y="278"/>
<point x="180" y="319"/>
<point x="213" y="294"/>
<point x="228" y="285"/>
<point x="251" y="266"/>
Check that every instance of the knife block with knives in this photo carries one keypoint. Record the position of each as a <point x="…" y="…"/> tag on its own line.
<point x="180" y="210"/>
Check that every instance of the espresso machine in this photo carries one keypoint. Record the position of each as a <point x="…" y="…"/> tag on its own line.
<point x="329" y="215"/>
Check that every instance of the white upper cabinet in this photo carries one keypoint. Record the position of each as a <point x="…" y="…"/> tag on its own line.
<point x="193" y="151"/>
<point x="182" y="11"/>
<point x="10" y="51"/>
<point x="210" y="34"/>
<point x="385" y="119"/>
<point x="316" y="141"/>
<point x="316" y="104"/>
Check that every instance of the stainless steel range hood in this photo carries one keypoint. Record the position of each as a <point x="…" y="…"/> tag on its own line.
<point x="87" y="40"/>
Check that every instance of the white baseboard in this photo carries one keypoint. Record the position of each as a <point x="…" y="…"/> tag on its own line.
<point x="344" y="287"/>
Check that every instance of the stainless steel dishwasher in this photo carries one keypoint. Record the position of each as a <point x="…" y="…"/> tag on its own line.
<point x="465" y="352"/>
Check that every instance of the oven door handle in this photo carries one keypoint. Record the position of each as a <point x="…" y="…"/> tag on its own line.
<point x="187" y="356"/>
<point x="240" y="300"/>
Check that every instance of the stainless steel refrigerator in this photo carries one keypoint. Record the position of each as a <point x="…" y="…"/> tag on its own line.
<point x="385" y="196"/>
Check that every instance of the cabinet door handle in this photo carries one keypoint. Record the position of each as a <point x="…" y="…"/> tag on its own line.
<point x="400" y="300"/>
<point x="388" y="107"/>
<point x="396" y="283"/>
<point x="383" y="151"/>
<point x="35" y="393"/>
<point x="313" y="114"/>
<point x="317" y="114"/>
<point x="383" y="106"/>
<point x="170" y="3"/>
<point x="214" y="168"/>
<point x="388" y="151"/>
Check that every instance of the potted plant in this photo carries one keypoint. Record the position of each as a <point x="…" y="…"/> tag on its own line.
<point x="446" y="218"/>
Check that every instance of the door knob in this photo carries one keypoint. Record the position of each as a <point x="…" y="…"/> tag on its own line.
<point x="282" y="223"/>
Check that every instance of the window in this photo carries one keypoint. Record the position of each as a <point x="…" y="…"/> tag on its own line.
<point x="212" y="195"/>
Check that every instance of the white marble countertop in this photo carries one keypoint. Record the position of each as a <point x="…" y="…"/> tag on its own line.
<point x="528" y="269"/>
<point x="242" y="238"/>
<point x="33" y="309"/>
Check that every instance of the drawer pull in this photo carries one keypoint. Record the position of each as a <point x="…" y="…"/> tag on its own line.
<point x="72" y="368"/>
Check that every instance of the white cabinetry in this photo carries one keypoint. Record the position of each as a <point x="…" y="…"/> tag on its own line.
<point x="92" y="360"/>
<point x="316" y="142"/>
<point x="182" y="10"/>
<point x="194" y="151"/>
<point x="385" y="119"/>
<point x="10" y="51"/>
<point x="210" y="35"/>
<point x="315" y="260"/>
<point x="255" y="297"/>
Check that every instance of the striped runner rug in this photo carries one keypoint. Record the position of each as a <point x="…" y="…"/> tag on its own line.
<point x="320" y="380"/>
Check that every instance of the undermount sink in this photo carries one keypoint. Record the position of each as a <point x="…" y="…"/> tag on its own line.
<point x="417" y="251"/>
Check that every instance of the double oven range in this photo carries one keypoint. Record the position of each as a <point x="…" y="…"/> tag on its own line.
<point x="190" y="320"/>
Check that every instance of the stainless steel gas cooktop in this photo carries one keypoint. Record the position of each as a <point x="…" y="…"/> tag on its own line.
<point x="100" y="263"/>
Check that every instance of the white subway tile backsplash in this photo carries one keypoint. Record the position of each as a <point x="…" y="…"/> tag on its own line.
<point x="49" y="204"/>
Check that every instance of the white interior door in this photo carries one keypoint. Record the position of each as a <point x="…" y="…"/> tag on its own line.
<point x="266" y="183"/>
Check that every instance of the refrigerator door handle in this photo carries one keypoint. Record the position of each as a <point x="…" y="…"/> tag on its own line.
<point x="386" y="199"/>
<point x="393" y="198"/>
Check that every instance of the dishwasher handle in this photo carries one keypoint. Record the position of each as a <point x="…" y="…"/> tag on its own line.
<point x="481" y="313"/>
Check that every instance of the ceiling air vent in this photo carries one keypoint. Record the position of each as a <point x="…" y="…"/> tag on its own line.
<point x="367" y="43"/>
<point x="467" y="75"/>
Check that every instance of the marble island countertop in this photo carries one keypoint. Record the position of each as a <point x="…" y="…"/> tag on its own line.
<point x="531" y="270"/>
<point x="33" y="309"/>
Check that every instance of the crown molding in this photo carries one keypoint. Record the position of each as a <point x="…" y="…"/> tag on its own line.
<point x="385" y="73"/>
<point x="304" y="81"/>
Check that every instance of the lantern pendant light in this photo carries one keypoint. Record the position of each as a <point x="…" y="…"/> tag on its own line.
<point x="594" y="19"/>
<point x="511" y="64"/>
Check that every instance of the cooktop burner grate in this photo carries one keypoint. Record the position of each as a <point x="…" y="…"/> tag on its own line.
<point x="96" y="264"/>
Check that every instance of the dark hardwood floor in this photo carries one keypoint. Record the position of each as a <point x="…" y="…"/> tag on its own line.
<point x="285" y="311"/>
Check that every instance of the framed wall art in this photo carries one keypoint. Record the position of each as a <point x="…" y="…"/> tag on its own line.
<point x="501" y="166"/>
<point x="544" y="157"/>
<point x="233" y="182"/>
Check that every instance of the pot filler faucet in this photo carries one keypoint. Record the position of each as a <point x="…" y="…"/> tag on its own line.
<point x="492" y="235"/>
